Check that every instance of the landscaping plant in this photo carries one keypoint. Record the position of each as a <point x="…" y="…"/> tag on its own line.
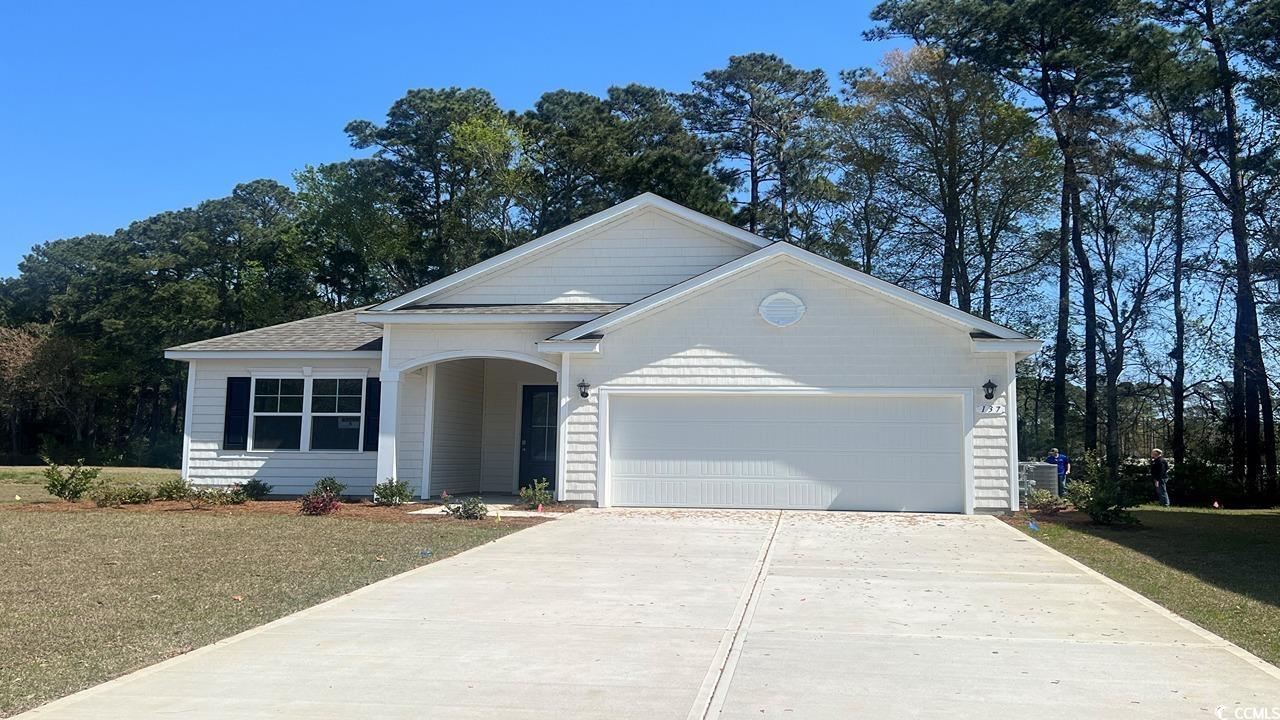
<point x="391" y="492"/>
<point x="71" y="482"/>
<point x="537" y="494"/>
<point x="471" y="508"/>
<point x="329" y="485"/>
<point x="1104" y="500"/>
<point x="255" y="489"/>
<point x="318" y="503"/>
<point x="172" y="489"/>
<point x="1045" y="503"/>
<point x="105" y="495"/>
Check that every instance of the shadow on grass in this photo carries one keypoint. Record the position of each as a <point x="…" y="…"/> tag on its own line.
<point x="1238" y="551"/>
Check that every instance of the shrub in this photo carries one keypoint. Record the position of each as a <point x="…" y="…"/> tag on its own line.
<point x="1043" y="502"/>
<point x="318" y="503"/>
<point x="255" y="489"/>
<point x="201" y="498"/>
<point x="71" y="482"/>
<point x="471" y="508"/>
<point x="172" y="489"/>
<point x="1104" y="501"/>
<point x="236" y="494"/>
<point x="391" y="492"/>
<point x="330" y="486"/>
<point x="105" y="495"/>
<point x="1200" y="482"/>
<point x="539" y="493"/>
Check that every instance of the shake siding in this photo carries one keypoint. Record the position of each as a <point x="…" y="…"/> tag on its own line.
<point x="630" y="258"/>
<point x="290" y="472"/>
<point x="456" y="426"/>
<point x="848" y="337"/>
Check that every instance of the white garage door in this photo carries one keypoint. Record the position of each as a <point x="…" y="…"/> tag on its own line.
<point x="784" y="451"/>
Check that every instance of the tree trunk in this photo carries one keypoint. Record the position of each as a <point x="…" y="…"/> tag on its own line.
<point x="1062" y="341"/>
<point x="1089" y="302"/>
<point x="1179" y="384"/>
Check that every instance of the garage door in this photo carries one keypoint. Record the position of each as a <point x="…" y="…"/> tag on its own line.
<point x="784" y="451"/>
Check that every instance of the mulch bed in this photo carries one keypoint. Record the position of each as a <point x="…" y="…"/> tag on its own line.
<point x="350" y="511"/>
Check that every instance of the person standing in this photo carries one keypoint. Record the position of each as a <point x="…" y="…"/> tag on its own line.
<point x="1064" y="468"/>
<point x="1160" y="475"/>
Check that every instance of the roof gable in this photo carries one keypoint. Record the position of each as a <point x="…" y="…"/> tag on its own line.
<point x="464" y="285"/>
<point x="781" y="250"/>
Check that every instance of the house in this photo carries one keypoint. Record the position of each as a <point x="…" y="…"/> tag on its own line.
<point x="647" y="355"/>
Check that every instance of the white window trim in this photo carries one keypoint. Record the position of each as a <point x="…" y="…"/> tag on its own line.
<point x="306" y="374"/>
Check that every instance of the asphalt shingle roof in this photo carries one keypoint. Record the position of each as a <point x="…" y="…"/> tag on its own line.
<point x="338" y="331"/>
<point x="497" y="309"/>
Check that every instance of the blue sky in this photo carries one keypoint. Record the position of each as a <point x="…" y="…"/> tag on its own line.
<point x="111" y="112"/>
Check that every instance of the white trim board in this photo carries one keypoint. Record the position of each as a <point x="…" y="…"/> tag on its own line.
<point x="189" y="355"/>
<point x="506" y="259"/>
<point x="603" y="393"/>
<point x="778" y="251"/>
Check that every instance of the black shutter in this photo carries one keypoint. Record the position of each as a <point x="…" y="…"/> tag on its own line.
<point x="372" y="406"/>
<point x="235" y="421"/>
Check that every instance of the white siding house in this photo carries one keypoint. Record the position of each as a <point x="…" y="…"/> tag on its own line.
<point x="647" y="355"/>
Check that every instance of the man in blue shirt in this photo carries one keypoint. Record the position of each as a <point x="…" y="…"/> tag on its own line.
<point x="1064" y="468"/>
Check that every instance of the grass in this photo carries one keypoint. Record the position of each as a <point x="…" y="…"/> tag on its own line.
<point x="1218" y="568"/>
<point x="27" y="482"/>
<point x="88" y="594"/>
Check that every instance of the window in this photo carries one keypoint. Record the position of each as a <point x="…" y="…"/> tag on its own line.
<point x="335" y="413"/>
<point x="277" y="413"/>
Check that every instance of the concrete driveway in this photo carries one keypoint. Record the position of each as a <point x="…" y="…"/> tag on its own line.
<point x="733" y="614"/>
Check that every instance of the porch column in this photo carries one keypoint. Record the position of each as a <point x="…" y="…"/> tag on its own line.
<point x="387" y="417"/>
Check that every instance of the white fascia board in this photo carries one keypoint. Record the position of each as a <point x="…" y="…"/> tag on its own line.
<point x="401" y="318"/>
<point x="638" y="202"/>
<point x="189" y="355"/>
<point x="782" y="249"/>
<point x="1020" y="348"/>
<point x="577" y="347"/>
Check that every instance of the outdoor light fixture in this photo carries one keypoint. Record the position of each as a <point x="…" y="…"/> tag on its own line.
<point x="583" y="387"/>
<point x="989" y="387"/>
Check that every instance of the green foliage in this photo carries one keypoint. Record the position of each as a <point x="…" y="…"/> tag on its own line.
<point x="1199" y="482"/>
<point x="391" y="492"/>
<point x="539" y="493"/>
<point x="329" y="485"/>
<point x="173" y="489"/>
<point x="107" y="495"/>
<point x="256" y="489"/>
<point x="470" y="508"/>
<point x="69" y="482"/>
<point x="1042" y="502"/>
<point x="205" y="497"/>
<point x="1105" y="501"/>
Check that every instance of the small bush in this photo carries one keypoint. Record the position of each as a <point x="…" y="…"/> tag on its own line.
<point x="1044" y="503"/>
<point x="391" y="492"/>
<point x="539" y="493"/>
<point x="105" y="495"/>
<point x="201" y="498"/>
<point x="318" y="503"/>
<point x="71" y="482"/>
<point x="172" y="489"/>
<point x="1104" y="501"/>
<point x="255" y="489"/>
<point x="471" y="508"/>
<point x="329" y="486"/>
<point x="236" y="495"/>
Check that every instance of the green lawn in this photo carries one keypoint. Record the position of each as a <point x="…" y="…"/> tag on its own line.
<point x="92" y="594"/>
<point x="1218" y="568"/>
<point x="26" y="482"/>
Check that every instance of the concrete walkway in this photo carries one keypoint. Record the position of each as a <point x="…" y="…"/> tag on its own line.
<point x="732" y="614"/>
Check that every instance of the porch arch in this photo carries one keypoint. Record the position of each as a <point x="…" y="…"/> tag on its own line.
<point x="439" y="357"/>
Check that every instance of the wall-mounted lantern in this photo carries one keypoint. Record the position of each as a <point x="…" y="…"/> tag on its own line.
<point x="583" y="387"/>
<point x="989" y="389"/>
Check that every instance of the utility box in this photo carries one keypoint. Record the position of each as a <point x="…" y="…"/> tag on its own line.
<point x="1037" y="476"/>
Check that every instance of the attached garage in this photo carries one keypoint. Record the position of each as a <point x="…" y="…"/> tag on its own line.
<point x="838" y="450"/>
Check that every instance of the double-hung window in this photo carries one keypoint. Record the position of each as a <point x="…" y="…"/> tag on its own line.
<point x="277" y="413"/>
<point x="336" y="404"/>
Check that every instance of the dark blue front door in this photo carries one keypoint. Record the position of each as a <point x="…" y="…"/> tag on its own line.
<point x="538" y="411"/>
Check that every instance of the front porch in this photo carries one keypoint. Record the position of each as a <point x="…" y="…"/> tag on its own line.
<point x="470" y="424"/>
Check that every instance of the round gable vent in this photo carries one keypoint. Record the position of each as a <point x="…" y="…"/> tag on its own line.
<point x="781" y="309"/>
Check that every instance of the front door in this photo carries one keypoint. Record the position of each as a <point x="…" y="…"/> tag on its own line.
<point x="538" y="411"/>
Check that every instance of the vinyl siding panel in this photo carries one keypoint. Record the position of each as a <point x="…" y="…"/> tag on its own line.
<point x="456" y="426"/>
<point x="502" y="387"/>
<point x="290" y="472"/>
<point x="848" y="337"/>
<point x="621" y="262"/>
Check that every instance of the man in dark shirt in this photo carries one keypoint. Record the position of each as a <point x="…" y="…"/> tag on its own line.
<point x="1160" y="475"/>
<point x="1064" y="468"/>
